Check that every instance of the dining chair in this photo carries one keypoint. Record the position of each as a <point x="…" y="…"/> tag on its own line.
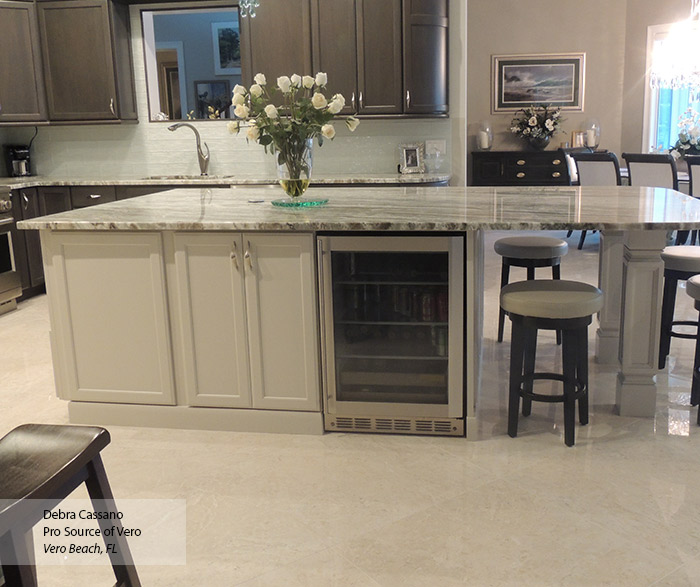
<point x="600" y="168"/>
<point x="652" y="169"/>
<point x="693" y="162"/>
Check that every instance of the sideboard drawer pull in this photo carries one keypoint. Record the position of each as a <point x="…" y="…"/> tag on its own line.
<point x="556" y="162"/>
<point x="520" y="175"/>
<point x="556" y="174"/>
<point x="520" y="162"/>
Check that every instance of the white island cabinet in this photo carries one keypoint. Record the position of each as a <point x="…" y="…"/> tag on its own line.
<point x="245" y="329"/>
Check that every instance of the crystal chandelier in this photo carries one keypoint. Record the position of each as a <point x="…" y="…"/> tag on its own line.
<point x="247" y="7"/>
<point x="676" y="60"/>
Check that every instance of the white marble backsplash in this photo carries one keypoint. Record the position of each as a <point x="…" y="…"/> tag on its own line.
<point x="148" y="148"/>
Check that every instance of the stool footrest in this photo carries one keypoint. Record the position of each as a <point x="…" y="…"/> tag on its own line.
<point x="683" y="334"/>
<point x="540" y="397"/>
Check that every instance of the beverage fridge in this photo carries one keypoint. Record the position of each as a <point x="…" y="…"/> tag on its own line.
<point x="392" y="315"/>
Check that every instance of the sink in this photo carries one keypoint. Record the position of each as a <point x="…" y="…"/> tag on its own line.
<point x="191" y="177"/>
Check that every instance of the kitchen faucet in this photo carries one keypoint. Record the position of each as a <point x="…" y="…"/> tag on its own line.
<point x="202" y="157"/>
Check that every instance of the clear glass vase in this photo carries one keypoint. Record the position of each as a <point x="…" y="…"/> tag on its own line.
<point x="294" y="165"/>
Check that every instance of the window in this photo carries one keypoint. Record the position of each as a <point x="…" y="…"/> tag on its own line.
<point x="663" y="107"/>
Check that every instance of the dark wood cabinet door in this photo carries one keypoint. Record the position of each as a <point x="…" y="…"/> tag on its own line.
<point x="277" y="41"/>
<point x="425" y="56"/>
<point x="28" y="203"/>
<point x="379" y="69"/>
<point x="91" y="195"/>
<point x="335" y="47"/>
<point x="22" y="97"/>
<point x="78" y="60"/>
<point x="53" y="200"/>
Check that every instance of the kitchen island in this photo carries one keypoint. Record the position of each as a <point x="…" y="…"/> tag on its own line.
<point x="125" y="311"/>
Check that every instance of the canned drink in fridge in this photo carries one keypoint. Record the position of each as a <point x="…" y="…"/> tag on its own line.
<point x="428" y="307"/>
<point x="441" y="346"/>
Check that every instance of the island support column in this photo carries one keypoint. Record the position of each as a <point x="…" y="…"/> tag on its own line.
<point x="642" y="282"/>
<point x="607" y="340"/>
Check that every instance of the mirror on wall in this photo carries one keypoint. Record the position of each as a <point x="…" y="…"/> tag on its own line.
<point x="193" y="61"/>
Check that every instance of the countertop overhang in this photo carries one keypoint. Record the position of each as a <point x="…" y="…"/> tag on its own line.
<point x="390" y="209"/>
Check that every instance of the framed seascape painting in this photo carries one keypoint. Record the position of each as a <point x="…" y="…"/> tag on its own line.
<point x="520" y="81"/>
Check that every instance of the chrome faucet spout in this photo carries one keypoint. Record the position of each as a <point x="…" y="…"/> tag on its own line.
<point x="202" y="156"/>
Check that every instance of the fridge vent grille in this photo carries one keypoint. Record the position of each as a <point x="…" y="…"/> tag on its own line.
<point x="443" y="427"/>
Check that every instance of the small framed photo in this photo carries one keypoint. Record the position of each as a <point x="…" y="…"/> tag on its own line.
<point x="412" y="158"/>
<point x="227" y="48"/>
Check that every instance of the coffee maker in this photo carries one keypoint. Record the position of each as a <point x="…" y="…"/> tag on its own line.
<point x="17" y="159"/>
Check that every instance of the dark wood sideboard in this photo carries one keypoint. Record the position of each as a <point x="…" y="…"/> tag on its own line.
<point x="494" y="168"/>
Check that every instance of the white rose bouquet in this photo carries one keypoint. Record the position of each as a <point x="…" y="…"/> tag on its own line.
<point x="536" y="122"/>
<point x="287" y="128"/>
<point x="688" y="142"/>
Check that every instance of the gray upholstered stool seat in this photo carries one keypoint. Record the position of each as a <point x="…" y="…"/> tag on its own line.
<point x="693" y="289"/>
<point x="680" y="263"/>
<point x="564" y="306"/>
<point x="531" y="247"/>
<point x="529" y="252"/>
<point x="545" y="298"/>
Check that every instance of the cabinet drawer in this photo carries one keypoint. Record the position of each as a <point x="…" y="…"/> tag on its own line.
<point x="86" y="195"/>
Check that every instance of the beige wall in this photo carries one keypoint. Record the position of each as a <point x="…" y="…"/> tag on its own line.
<point x="612" y="33"/>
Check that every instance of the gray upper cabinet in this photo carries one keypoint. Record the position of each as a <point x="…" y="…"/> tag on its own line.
<point x="425" y="56"/>
<point x="21" y="81"/>
<point x="277" y="41"/>
<point x="87" y="60"/>
<point x="387" y="57"/>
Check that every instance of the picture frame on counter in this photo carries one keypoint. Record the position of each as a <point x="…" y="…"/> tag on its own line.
<point x="555" y="79"/>
<point x="412" y="158"/>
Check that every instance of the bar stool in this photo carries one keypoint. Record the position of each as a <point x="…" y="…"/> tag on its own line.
<point x="693" y="290"/>
<point x="530" y="252"/>
<point x="680" y="263"/>
<point x="542" y="304"/>
<point x="41" y="465"/>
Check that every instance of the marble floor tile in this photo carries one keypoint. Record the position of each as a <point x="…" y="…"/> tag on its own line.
<point x="622" y="507"/>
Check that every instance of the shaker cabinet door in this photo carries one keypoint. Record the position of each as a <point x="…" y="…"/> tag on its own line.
<point x="210" y="325"/>
<point x="78" y="60"/>
<point x="21" y="83"/>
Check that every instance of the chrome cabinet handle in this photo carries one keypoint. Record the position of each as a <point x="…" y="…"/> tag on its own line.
<point x="362" y="102"/>
<point x="95" y="196"/>
<point x="26" y="201"/>
<point x="248" y="257"/>
<point x="352" y="100"/>
<point x="408" y="99"/>
<point x="111" y="106"/>
<point x="234" y="255"/>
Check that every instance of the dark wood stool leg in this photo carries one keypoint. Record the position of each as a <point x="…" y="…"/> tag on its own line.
<point x="516" y="373"/>
<point x="695" y="385"/>
<point x="505" y="273"/>
<point x="529" y="352"/>
<point x="682" y="236"/>
<point x="556" y="274"/>
<point x="582" y="373"/>
<point x="102" y="498"/>
<point x="569" y="371"/>
<point x="530" y="273"/>
<point x="583" y="238"/>
<point x="17" y="549"/>
<point x="667" y="308"/>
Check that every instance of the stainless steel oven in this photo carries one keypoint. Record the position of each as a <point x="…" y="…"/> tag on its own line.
<point x="10" y="284"/>
<point x="393" y="336"/>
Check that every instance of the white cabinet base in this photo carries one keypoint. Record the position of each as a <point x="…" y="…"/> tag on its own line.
<point x="195" y="418"/>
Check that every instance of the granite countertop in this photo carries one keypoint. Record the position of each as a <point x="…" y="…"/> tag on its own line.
<point x="398" y="208"/>
<point x="195" y="180"/>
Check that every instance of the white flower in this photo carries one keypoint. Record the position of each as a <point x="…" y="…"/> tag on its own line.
<point x="256" y="90"/>
<point x="260" y="79"/>
<point x="328" y="131"/>
<point x="321" y="79"/>
<point x="549" y="124"/>
<point x="238" y="89"/>
<point x="526" y="131"/>
<point x="319" y="101"/>
<point x="308" y="82"/>
<point x="253" y="133"/>
<point x="238" y="99"/>
<point x="675" y="154"/>
<point x="532" y="121"/>
<point x="296" y="80"/>
<point x="352" y="123"/>
<point x="241" y="111"/>
<point x="271" y="111"/>
<point x="336" y="104"/>
<point x="284" y="84"/>
<point x="233" y="126"/>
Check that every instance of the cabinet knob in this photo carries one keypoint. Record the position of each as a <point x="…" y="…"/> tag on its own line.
<point x="520" y="162"/>
<point x="520" y="175"/>
<point x="556" y="162"/>
<point x="556" y="174"/>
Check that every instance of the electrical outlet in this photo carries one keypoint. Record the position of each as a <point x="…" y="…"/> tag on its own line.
<point x="435" y="146"/>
